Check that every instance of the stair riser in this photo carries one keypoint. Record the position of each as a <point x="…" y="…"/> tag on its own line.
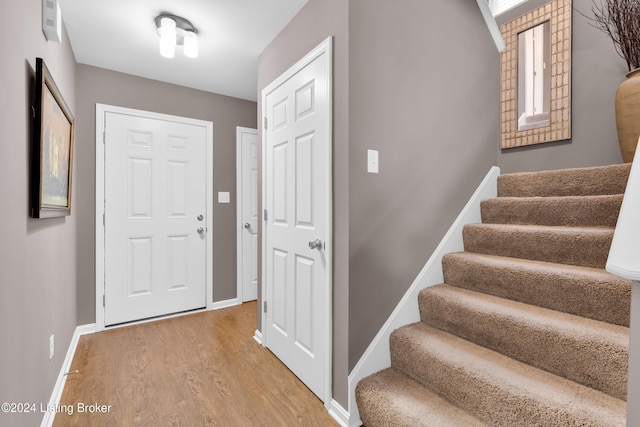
<point x="591" y="294"/>
<point x="568" y="182"/>
<point x="588" y="250"/>
<point x="596" y="360"/>
<point x="499" y="400"/>
<point x="599" y="211"/>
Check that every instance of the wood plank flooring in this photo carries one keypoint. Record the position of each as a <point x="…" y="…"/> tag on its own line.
<point x="201" y="369"/>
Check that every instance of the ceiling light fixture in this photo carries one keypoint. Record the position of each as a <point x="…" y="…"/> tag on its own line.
<point x="175" y="30"/>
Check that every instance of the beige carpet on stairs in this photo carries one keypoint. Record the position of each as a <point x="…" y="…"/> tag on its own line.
<point x="528" y="329"/>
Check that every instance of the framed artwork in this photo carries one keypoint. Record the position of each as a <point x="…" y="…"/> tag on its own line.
<point x="52" y="151"/>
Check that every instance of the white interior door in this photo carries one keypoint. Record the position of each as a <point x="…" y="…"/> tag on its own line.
<point x="247" y="177"/>
<point x="297" y="199"/>
<point x="155" y="216"/>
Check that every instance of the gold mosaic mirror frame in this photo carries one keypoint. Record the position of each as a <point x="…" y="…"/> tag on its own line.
<point x="558" y="13"/>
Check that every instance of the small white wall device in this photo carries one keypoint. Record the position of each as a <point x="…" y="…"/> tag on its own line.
<point x="51" y="20"/>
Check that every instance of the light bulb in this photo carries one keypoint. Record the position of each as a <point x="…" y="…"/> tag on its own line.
<point x="167" y="37"/>
<point x="190" y="44"/>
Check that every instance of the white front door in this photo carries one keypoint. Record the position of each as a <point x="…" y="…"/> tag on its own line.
<point x="247" y="176"/>
<point x="155" y="216"/>
<point x="297" y="198"/>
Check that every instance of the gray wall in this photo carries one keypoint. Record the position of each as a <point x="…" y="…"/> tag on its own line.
<point x="318" y="20"/>
<point x="37" y="256"/>
<point x="596" y="73"/>
<point x="424" y="92"/>
<point x="96" y="85"/>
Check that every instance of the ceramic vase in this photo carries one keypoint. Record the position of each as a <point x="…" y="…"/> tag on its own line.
<point x="628" y="114"/>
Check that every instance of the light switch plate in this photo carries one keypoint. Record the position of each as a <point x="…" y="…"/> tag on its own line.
<point x="372" y="161"/>
<point x="224" y="197"/>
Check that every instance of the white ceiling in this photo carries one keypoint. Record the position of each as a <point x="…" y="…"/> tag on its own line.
<point x="121" y="35"/>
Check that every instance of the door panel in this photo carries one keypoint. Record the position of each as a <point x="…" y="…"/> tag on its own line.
<point x="139" y="188"/>
<point x="140" y="266"/>
<point x="280" y="187"/>
<point x="304" y="180"/>
<point x="155" y="191"/>
<point x="304" y="304"/>
<point x="280" y="291"/>
<point x="177" y="189"/>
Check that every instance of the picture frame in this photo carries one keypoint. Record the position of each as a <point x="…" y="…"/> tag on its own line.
<point x="52" y="151"/>
<point x="515" y="130"/>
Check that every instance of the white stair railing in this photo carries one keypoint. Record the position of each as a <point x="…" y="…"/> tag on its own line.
<point x="624" y="261"/>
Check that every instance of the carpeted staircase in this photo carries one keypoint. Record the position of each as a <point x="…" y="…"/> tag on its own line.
<point x="528" y="329"/>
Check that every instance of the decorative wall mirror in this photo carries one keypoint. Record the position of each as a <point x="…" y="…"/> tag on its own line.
<point x="535" y="77"/>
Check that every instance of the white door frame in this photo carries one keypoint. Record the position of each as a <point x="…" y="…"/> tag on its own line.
<point x="323" y="48"/>
<point x="101" y="110"/>
<point x="239" y="220"/>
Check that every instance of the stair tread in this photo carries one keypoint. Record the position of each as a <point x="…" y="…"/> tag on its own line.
<point x="545" y="266"/>
<point x="537" y="316"/>
<point x="586" y="246"/>
<point x="588" y="351"/>
<point x="599" y="210"/>
<point x="393" y="399"/>
<point x="596" y="180"/>
<point x="586" y="291"/>
<point x="495" y="387"/>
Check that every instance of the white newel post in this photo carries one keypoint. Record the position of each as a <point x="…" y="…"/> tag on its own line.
<point x="624" y="261"/>
<point x="633" y="387"/>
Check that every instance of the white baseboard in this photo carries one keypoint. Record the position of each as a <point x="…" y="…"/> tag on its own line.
<point x="54" y="400"/>
<point x="377" y="356"/>
<point x="257" y="336"/>
<point x="338" y="413"/>
<point x="217" y="305"/>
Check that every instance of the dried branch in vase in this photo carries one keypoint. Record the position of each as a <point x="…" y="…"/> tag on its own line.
<point x="620" y="20"/>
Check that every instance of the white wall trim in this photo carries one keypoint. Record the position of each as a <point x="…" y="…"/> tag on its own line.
<point x="338" y="413"/>
<point x="217" y="305"/>
<point x="54" y="400"/>
<point x="492" y="25"/>
<point x="101" y="110"/>
<point x="377" y="356"/>
<point x="257" y="337"/>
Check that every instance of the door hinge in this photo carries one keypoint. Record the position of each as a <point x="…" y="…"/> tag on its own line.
<point x="104" y="300"/>
<point x="265" y="215"/>
<point x="264" y="303"/>
<point x="266" y="126"/>
<point x="103" y="220"/>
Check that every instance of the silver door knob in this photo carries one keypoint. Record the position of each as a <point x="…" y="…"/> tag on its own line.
<point x="315" y="244"/>
<point x="247" y="225"/>
<point x="200" y="230"/>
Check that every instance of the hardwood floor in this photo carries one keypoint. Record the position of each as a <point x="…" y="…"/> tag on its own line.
<point x="202" y="369"/>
